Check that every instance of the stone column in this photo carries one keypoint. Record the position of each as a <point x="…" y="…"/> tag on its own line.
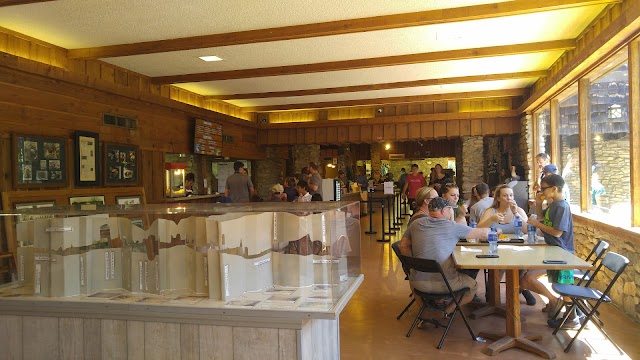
<point x="472" y="160"/>
<point x="269" y="171"/>
<point x="376" y="163"/>
<point x="303" y="154"/>
<point x="526" y="153"/>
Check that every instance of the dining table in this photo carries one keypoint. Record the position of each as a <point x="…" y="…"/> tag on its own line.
<point x="512" y="259"/>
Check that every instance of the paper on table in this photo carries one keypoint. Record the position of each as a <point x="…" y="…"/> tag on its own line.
<point x="466" y="249"/>
<point x="516" y="248"/>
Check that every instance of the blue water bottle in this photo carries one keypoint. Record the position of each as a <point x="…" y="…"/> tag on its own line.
<point x="473" y="225"/>
<point x="493" y="241"/>
<point x="531" y="231"/>
<point x="518" y="225"/>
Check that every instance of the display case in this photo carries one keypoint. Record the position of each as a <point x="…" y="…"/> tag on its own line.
<point x="258" y="255"/>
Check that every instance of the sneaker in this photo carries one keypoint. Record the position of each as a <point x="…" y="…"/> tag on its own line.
<point x="570" y="324"/>
<point x="531" y="300"/>
<point x="555" y="309"/>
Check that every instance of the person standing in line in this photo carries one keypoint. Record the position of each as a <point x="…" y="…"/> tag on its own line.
<point x="315" y="181"/>
<point x="303" y="192"/>
<point x="542" y="160"/>
<point x="239" y="187"/>
<point x="413" y="182"/>
<point x="440" y="179"/>
<point x="402" y="179"/>
<point x="290" y="190"/>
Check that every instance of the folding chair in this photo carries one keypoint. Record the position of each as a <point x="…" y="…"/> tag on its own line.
<point x="396" y="250"/>
<point x="580" y="295"/>
<point x="597" y="252"/>
<point x="433" y="300"/>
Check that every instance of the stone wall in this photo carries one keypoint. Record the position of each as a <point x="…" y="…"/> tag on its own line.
<point x="303" y="154"/>
<point x="376" y="163"/>
<point x="625" y="293"/>
<point x="525" y="153"/>
<point x="472" y="160"/>
<point x="268" y="172"/>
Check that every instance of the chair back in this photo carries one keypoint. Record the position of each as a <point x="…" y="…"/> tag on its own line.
<point x="615" y="263"/>
<point x="422" y="265"/>
<point x="597" y="252"/>
<point x="396" y="249"/>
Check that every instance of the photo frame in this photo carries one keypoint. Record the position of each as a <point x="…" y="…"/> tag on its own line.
<point x="34" y="205"/>
<point x="87" y="200"/>
<point x="128" y="200"/>
<point x="87" y="159"/>
<point x="121" y="164"/>
<point x="39" y="161"/>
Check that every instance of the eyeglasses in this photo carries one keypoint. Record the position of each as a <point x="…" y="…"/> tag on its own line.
<point x="543" y="188"/>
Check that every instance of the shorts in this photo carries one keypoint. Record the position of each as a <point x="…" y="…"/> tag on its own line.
<point x="439" y="287"/>
<point x="560" y="276"/>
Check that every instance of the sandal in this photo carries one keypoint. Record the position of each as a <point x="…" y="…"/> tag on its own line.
<point x="545" y="308"/>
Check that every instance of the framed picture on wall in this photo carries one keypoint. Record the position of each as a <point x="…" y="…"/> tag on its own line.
<point x="87" y="159"/>
<point x="128" y="200"/>
<point x="87" y="200"/>
<point x="39" y="161"/>
<point x="121" y="164"/>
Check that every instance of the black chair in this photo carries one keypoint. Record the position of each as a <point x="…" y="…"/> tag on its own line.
<point x="434" y="301"/>
<point x="594" y="256"/>
<point x="405" y="268"/>
<point x="580" y="295"/>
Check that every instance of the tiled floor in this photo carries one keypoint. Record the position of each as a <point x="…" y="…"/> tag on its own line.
<point x="369" y="329"/>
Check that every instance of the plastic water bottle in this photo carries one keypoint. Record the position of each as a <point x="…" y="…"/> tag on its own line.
<point x="531" y="231"/>
<point x="518" y="225"/>
<point x="493" y="241"/>
<point x="473" y="225"/>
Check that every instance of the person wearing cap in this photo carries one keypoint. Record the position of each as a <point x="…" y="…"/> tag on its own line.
<point x="239" y="187"/>
<point x="434" y="237"/>
<point x="277" y="193"/>
<point x="553" y="169"/>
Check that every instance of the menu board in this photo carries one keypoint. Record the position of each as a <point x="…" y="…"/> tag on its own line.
<point x="208" y="138"/>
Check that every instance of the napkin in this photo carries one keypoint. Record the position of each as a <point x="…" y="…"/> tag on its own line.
<point x="467" y="249"/>
<point x="516" y="247"/>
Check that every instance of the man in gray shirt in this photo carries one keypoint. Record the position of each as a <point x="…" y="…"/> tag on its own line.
<point x="484" y="202"/>
<point x="315" y="182"/>
<point x="434" y="237"/>
<point x="239" y="187"/>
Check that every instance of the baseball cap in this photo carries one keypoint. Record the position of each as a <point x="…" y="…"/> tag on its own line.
<point x="551" y="168"/>
<point x="277" y="188"/>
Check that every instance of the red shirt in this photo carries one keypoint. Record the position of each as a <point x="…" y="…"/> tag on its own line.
<point x="414" y="182"/>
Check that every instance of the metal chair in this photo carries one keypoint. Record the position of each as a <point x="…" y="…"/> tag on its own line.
<point x="396" y="250"/>
<point x="596" y="253"/>
<point x="581" y="295"/>
<point x="434" y="301"/>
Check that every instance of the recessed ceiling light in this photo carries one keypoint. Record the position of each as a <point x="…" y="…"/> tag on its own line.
<point x="210" y="58"/>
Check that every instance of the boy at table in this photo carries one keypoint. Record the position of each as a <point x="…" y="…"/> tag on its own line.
<point x="557" y="228"/>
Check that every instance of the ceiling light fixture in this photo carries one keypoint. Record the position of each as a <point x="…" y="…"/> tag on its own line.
<point x="210" y="58"/>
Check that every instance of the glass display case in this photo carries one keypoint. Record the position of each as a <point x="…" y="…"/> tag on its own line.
<point x="291" y="256"/>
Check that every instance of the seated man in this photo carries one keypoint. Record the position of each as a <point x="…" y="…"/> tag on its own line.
<point x="434" y="237"/>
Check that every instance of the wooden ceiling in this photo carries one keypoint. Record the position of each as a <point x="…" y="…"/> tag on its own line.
<point x="289" y="55"/>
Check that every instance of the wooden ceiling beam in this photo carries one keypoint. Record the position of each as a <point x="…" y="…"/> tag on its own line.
<point x="382" y="86"/>
<point x="484" y="11"/>
<point x="459" y="54"/>
<point x="4" y="3"/>
<point x="393" y="100"/>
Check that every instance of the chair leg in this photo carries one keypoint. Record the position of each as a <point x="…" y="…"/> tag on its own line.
<point x="584" y="324"/>
<point x="564" y="319"/>
<point x="415" y="322"/>
<point x="406" y="308"/>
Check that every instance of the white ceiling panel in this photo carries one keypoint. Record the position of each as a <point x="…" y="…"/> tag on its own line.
<point x="377" y="94"/>
<point x="435" y="70"/>
<point x="87" y="23"/>
<point x="422" y="39"/>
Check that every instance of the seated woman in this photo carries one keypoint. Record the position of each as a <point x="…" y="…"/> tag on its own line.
<point x="434" y="237"/>
<point x="451" y="193"/>
<point x="424" y="195"/>
<point x="502" y="215"/>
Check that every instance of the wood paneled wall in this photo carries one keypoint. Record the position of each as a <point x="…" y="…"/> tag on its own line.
<point x="397" y="128"/>
<point x="39" y="99"/>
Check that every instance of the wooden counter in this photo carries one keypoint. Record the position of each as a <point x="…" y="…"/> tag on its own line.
<point x="193" y="199"/>
<point x="64" y="328"/>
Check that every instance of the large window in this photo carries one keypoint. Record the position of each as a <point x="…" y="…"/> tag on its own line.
<point x="544" y="134"/>
<point x="609" y="144"/>
<point x="568" y="156"/>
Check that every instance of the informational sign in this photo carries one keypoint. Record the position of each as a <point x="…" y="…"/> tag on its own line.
<point x="388" y="187"/>
<point x="207" y="138"/>
<point x="225" y="169"/>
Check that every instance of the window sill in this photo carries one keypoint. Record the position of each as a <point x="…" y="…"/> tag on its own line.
<point x="593" y="221"/>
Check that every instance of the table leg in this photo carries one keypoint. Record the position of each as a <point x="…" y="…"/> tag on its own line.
<point x="494" y="307"/>
<point x="513" y="337"/>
